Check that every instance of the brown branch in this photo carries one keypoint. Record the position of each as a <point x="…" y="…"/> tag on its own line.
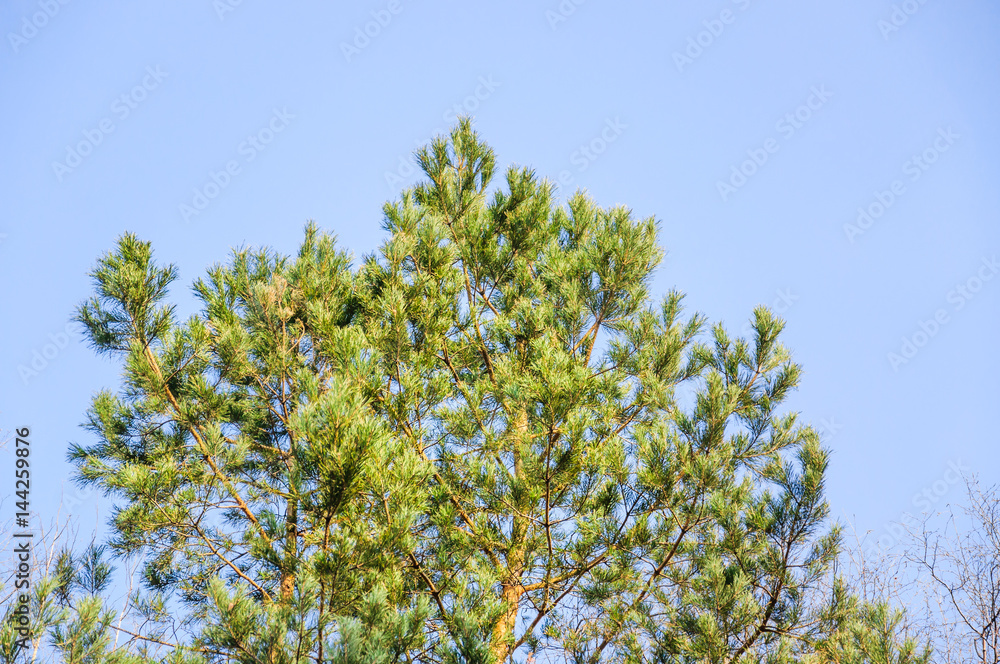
<point x="203" y="448"/>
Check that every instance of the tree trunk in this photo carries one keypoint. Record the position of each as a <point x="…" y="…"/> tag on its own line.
<point x="512" y="590"/>
<point x="504" y="629"/>
<point x="291" y="551"/>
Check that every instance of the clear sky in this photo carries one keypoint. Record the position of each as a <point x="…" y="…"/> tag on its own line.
<point x="753" y="130"/>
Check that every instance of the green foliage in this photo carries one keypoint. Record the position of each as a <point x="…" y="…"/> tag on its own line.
<point x="70" y="622"/>
<point x="486" y="440"/>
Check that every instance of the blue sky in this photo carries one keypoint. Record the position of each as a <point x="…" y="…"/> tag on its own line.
<point x="754" y="131"/>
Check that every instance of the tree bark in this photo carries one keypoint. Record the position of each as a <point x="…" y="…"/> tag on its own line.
<point x="511" y="588"/>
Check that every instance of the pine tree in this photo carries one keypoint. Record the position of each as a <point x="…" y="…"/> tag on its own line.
<point x="487" y="440"/>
